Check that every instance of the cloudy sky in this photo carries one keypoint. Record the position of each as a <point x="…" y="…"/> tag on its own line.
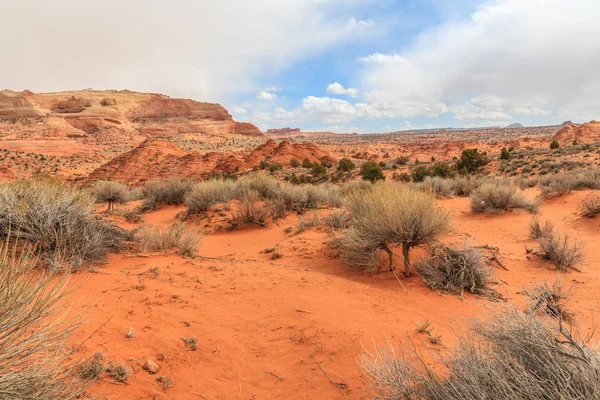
<point x="340" y="65"/>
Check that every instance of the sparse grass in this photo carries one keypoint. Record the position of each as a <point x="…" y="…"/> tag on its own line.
<point x="59" y="219"/>
<point x="208" y="193"/>
<point x="92" y="370"/>
<point x="562" y="251"/>
<point x="190" y="343"/>
<point x="590" y="206"/>
<point x="567" y="181"/>
<point x="251" y="210"/>
<point x="537" y="230"/>
<point x="456" y="271"/>
<point x="165" y="192"/>
<point x="35" y="354"/>
<point x="512" y="355"/>
<point x="119" y="372"/>
<point x="494" y="197"/>
<point x="153" y="238"/>
<point x="423" y="328"/>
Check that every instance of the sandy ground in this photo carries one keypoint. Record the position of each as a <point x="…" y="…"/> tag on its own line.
<point x="293" y="328"/>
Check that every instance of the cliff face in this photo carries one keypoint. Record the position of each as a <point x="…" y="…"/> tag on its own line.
<point x="134" y="116"/>
<point x="159" y="158"/>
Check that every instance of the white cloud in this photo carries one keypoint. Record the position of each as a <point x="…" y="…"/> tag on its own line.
<point x="337" y="88"/>
<point x="196" y="49"/>
<point x="510" y="57"/>
<point x="238" y="110"/>
<point x="264" y="95"/>
<point x="273" y="89"/>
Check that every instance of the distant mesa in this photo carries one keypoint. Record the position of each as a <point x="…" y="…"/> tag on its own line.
<point x="129" y="115"/>
<point x="283" y="131"/>
<point x="567" y="123"/>
<point x="514" y="126"/>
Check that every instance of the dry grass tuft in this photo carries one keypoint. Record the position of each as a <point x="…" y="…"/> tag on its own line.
<point x="165" y="192"/>
<point x="176" y="236"/>
<point x="562" y="251"/>
<point x="494" y="197"/>
<point x="119" y="372"/>
<point x="537" y="230"/>
<point x="590" y="206"/>
<point x="110" y="192"/>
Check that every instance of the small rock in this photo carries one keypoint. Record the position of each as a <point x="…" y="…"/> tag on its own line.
<point x="151" y="366"/>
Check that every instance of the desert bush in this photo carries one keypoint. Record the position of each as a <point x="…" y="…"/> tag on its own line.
<point x="251" y="210"/>
<point x="176" y="236"/>
<point x="389" y="215"/>
<point x="294" y="163"/>
<point x="306" y="163"/>
<point x="420" y="173"/>
<point x="208" y="193"/>
<point x="495" y="197"/>
<point x="554" y="145"/>
<point x="504" y="154"/>
<point x="590" y="206"/>
<point x="267" y="186"/>
<point x="512" y="355"/>
<point x="165" y="192"/>
<point x="471" y="160"/>
<point x="110" y="192"/>
<point x="402" y="160"/>
<point x="456" y="270"/>
<point x="439" y="186"/>
<point x="443" y="170"/>
<point x="371" y="171"/>
<point x="345" y="165"/>
<point x="562" y="251"/>
<point x="464" y="187"/>
<point x="36" y="360"/>
<point x="59" y="219"/>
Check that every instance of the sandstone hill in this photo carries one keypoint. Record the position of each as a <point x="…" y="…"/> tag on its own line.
<point x="159" y="158"/>
<point x="110" y="116"/>
<point x="584" y="133"/>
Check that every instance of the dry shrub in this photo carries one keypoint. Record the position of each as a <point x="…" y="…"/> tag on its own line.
<point x="251" y="210"/>
<point x="172" y="191"/>
<point x="59" y="219"/>
<point x="340" y="219"/>
<point x="590" y="206"/>
<point x="454" y="271"/>
<point x="512" y="355"/>
<point x="110" y="192"/>
<point x="389" y="215"/>
<point x="568" y="181"/>
<point x="208" y="193"/>
<point x="550" y="300"/>
<point x="464" y="187"/>
<point x="562" y="251"/>
<point x="440" y="186"/>
<point x="119" y="372"/>
<point x="493" y="197"/>
<point x="35" y="357"/>
<point x="176" y="236"/>
<point x="265" y="185"/>
<point x="537" y="230"/>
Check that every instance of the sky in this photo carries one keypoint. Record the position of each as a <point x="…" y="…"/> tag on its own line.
<point x="365" y="66"/>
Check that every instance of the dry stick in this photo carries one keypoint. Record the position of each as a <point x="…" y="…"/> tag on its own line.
<point x="338" y="385"/>
<point x="275" y="375"/>
<point x="398" y="279"/>
<point x="216" y="350"/>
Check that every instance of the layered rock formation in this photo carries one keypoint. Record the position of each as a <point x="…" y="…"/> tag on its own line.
<point x="159" y="158"/>
<point x="584" y="133"/>
<point x="135" y="116"/>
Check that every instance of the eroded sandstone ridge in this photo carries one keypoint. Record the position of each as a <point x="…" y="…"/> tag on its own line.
<point x="159" y="158"/>
<point x="111" y="116"/>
